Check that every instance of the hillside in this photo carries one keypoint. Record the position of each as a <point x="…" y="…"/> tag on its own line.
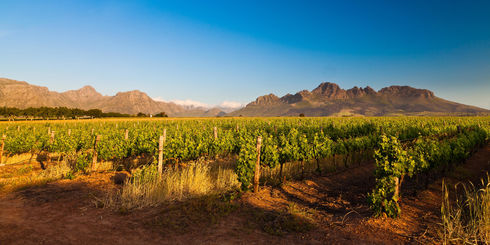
<point x="23" y="95"/>
<point x="328" y="99"/>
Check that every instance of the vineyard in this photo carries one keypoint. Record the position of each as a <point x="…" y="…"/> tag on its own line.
<point x="402" y="147"/>
<point x="255" y="151"/>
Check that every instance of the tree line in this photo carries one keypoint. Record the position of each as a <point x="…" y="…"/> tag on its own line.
<point x="62" y="112"/>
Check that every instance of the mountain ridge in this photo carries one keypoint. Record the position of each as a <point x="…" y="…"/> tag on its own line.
<point x="21" y="94"/>
<point x="328" y="99"/>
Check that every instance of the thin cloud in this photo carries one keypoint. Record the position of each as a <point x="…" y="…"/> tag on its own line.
<point x="159" y="99"/>
<point x="194" y="103"/>
<point x="231" y="104"/>
<point x="189" y="102"/>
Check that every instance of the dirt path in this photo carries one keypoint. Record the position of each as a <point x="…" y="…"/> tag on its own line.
<point x="328" y="210"/>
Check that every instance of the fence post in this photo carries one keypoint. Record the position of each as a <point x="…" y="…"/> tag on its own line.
<point x="69" y="132"/>
<point x="94" y="158"/>
<point x="126" y="134"/>
<point x="164" y="135"/>
<point x="3" y="146"/>
<point x="160" y="155"/>
<point x="51" y="137"/>
<point x="257" y="165"/>
<point x="215" y="130"/>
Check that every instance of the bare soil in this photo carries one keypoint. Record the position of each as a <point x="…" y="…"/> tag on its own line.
<point x="329" y="209"/>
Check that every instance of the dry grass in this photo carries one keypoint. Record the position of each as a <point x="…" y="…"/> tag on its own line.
<point x="18" y="158"/>
<point x="146" y="188"/>
<point x="51" y="173"/>
<point x="467" y="221"/>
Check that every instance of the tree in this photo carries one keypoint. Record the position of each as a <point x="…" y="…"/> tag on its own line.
<point x="161" y="114"/>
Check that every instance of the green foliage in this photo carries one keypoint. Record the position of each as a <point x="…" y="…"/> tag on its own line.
<point x="161" y="114"/>
<point x="394" y="161"/>
<point x="285" y="140"/>
<point x="82" y="163"/>
<point x="246" y="163"/>
<point x="55" y="112"/>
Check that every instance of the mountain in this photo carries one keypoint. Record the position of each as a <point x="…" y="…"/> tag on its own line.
<point x="85" y="97"/>
<point x="328" y="99"/>
<point x="22" y="95"/>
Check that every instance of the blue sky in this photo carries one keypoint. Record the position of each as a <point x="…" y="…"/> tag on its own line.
<point x="215" y="51"/>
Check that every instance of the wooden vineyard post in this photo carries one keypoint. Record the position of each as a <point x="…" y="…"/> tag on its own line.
<point x="51" y="137"/>
<point x="215" y="130"/>
<point x="69" y="132"/>
<point x="94" y="158"/>
<point x="126" y="134"/>
<point x="92" y="131"/>
<point x="49" y="131"/>
<point x="257" y="165"/>
<point x="2" y="147"/>
<point x="397" y="188"/>
<point x="51" y="141"/>
<point x="160" y="155"/>
<point x="164" y="135"/>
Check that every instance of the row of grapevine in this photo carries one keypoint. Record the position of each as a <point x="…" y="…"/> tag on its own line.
<point x="395" y="160"/>
<point x="285" y="140"/>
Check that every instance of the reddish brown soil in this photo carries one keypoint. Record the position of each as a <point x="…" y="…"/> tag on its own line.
<point x="333" y="206"/>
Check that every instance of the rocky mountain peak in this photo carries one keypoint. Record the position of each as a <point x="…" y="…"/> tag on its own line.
<point x="266" y="100"/>
<point x="86" y="91"/>
<point x="357" y="92"/>
<point x="406" y="91"/>
<point x="330" y="91"/>
<point x="291" y="99"/>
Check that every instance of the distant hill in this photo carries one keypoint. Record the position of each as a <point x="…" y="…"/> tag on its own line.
<point x="328" y="99"/>
<point x="23" y="95"/>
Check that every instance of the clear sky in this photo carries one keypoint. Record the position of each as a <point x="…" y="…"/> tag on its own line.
<point x="215" y="51"/>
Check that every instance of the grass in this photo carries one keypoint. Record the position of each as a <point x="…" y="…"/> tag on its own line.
<point x="19" y="158"/>
<point x="51" y="173"/>
<point x="467" y="220"/>
<point x="147" y="188"/>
